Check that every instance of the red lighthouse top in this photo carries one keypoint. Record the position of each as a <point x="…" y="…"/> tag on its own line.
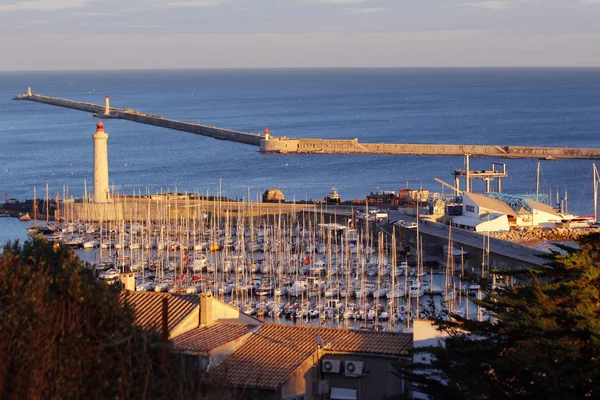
<point x="267" y="131"/>
<point x="99" y="127"/>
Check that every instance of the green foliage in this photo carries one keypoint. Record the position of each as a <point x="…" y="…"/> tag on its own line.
<point x="543" y="340"/>
<point x="64" y="334"/>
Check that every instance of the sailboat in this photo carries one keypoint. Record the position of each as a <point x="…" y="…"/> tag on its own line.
<point x="25" y="217"/>
<point x="32" y="229"/>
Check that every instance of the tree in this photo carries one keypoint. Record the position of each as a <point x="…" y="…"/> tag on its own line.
<point x="64" y="334"/>
<point x="542" y="340"/>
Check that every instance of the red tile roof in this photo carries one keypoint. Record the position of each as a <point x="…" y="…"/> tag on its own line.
<point x="207" y="338"/>
<point x="147" y="307"/>
<point x="268" y="358"/>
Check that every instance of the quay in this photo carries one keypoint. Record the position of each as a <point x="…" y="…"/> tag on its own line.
<point x="163" y="208"/>
<point x="284" y="145"/>
<point x="501" y="255"/>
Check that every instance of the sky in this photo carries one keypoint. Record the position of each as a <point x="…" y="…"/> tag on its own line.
<point x="159" y="34"/>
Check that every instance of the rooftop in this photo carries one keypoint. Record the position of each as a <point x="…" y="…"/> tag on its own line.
<point x="147" y="307"/>
<point x="206" y="338"/>
<point x="536" y="205"/>
<point x="491" y="204"/>
<point x="273" y="352"/>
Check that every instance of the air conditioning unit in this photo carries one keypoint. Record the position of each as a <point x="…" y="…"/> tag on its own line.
<point x="331" y="366"/>
<point x="320" y="387"/>
<point x="353" y="368"/>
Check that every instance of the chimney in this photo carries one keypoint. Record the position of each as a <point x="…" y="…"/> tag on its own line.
<point x="128" y="281"/>
<point x="206" y="308"/>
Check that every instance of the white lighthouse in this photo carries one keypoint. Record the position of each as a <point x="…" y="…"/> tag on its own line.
<point x="107" y="105"/>
<point x="101" y="192"/>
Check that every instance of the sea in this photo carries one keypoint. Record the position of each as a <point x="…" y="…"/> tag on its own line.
<point x="43" y="146"/>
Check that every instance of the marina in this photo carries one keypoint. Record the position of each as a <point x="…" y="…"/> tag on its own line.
<point x="325" y="263"/>
<point x="305" y="268"/>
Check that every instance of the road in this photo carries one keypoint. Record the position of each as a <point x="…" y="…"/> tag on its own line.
<point x="505" y="248"/>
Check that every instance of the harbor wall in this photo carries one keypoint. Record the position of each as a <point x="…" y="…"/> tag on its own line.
<point x="253" y="139"/>
<point x="55" y="101"/>
<point x="322" y="146"/>
<point x="141" y="209"/>
<point x="474" y="259"/>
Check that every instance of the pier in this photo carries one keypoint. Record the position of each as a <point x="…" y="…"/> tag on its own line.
<point x="284" y="145"/>
<point x="501" y="255"/>
<point x="99" y="111"/>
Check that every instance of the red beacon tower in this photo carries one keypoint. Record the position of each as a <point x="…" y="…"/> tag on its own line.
<point x="267" y="134"/>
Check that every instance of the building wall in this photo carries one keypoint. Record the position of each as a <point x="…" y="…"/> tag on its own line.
<point x="300" y="382"/>
<point x="470" y="208"/>
<point x="498" y="224"/>
<point x="545" y="219"/>
<point x="378" y="381"/>
<point x="213" y="310"/>
<point x="191" y="321"/>
<point x="495" y="223"/>
<point x="539" y="218"/>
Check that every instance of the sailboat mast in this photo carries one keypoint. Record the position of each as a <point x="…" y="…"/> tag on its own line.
<point x="537" y="185"/>
<point x="35" y="205"/>
<point x="596" y="179"/>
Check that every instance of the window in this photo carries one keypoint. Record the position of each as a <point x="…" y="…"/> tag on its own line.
<point x="470" y="208"/>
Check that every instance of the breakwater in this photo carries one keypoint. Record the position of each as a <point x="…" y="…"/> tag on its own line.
<point x="539" y="235"/>
<point x="253" y="139"/>
<point x="284" y="145"/>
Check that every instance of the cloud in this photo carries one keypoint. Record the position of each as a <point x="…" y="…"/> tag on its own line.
<point x="491" y="4"/>
<point x="368" y="10"/>
<point x="505" y="4"/>
<point x="43" y="5"/>
<point x="194" y="3"/>
<point x="40" y="21"/>
<point x="332" y="1"/>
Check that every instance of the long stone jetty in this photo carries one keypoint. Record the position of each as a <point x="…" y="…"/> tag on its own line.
<point x="284" y="145"/>
<point x="150" y="119"/>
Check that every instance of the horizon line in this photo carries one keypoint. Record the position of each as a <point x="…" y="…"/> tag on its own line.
<point x="491" y="67"/>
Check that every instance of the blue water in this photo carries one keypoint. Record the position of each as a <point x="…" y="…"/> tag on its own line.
<point x="42" y="144"/>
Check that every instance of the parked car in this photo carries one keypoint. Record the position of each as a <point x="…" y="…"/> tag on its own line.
<point x="409" y="225"/>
